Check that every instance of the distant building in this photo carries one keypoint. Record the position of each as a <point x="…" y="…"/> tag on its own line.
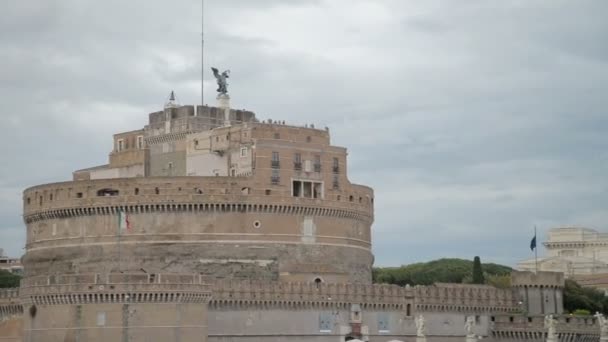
<point x="12" y="265"/>
<point x="574" y="251"/>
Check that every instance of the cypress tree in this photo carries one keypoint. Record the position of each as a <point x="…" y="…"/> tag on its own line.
<point x="477" y="271"/>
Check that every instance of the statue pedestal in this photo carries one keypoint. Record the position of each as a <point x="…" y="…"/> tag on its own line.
<point x="223" y="102"/>
<point x="552" y="339"/>
<point x="420" y="338"/>
<point x="471" y="338"/>
<point x="604" y="339"/>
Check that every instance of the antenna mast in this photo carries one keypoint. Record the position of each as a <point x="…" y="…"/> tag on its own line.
<point x="202" y="53"/>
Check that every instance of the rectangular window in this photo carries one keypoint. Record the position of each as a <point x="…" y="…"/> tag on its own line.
<point x="308" y="165"/>
<point x="336" y="167"/>
<point x="243" y="151"/>
<point x="317" y="163"/>
<point x="140" y="142"/>
<point x="297" y="161"/>
<point x="275" y="160"/>
<point x="120" y="145"/>
<point x="317" y="190"/>
<point x="275" y="178"/>
<point x="336" y="183"/>
<point x="296" y="188"/>
<point x="307" y="189"/>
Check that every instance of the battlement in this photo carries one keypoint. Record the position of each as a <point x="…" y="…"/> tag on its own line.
<point x="113" y="288"/>
<point x="445" y="297"/>
<point x="538" y="279"/>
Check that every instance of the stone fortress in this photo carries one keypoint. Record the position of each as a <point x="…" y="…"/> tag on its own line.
<point x="208" y="224"/>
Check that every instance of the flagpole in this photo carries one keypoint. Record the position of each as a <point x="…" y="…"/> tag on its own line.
<point x="202" y="54"/>
<point x="535" y="250"/>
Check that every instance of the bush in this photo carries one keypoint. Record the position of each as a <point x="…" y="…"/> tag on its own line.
<point x="436" y="271"/>
<point x="8" y="279"/>
<point x="581" y="312"/>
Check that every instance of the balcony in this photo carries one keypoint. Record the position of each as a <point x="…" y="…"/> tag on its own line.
<point x="336" y="169"/>
<point x="275" y="164"/>
<point x="275" y="180"/>
<point x="336" y="186"/>
<point x="317" y="167"/>
<point x="297" y="166"/>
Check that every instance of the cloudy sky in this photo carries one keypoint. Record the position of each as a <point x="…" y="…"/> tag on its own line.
<point x="472" y="120"/>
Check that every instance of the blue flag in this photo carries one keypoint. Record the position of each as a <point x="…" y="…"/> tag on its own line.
<point x="533" y="243"/>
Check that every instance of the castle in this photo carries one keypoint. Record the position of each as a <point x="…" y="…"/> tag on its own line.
<point x="208" y="224"/>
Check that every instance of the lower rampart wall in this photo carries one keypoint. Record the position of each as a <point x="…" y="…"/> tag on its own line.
<point x="100" y="307"/>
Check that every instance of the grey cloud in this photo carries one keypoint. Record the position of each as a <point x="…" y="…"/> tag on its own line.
<point x="472" y="120"/>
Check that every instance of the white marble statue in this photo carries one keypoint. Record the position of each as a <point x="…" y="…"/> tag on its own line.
<point x="603" y="322"/>
<point x="550" y="325"/>
<point x="420" y="326"/>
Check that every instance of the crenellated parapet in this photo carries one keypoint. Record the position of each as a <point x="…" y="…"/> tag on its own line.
<point x="305" y="294"/>
<point x="114" y="288"/>
<point x="465" y="298"/>
<point x="440" y="297"/>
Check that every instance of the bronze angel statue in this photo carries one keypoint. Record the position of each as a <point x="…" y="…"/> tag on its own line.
<point x="222" y="84"/>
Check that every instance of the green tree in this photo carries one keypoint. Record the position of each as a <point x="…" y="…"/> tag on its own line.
<point x="8" y="279"/>
<point x="501" y="281"/>
<point x="436" y="271"/>
<point x="578" y="298"/>
<point x="477" y="271"/>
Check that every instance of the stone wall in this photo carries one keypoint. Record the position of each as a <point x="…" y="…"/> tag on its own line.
<point x="11" y="312"/>
<point x="115" y="307"/>
<point x="195" y="224"/>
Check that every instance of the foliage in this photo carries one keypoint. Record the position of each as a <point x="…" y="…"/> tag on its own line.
<point x="8" y="279"/>
<point x="501" y="281"/>
<point x="581" y="312"/>
<point x="577" y="298"/>
<point x="477" y="271"/>
<point x="436" y="271"/>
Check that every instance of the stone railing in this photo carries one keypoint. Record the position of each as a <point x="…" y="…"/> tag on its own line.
<point x="114" y="288"/>
<point x="531" y="328"/>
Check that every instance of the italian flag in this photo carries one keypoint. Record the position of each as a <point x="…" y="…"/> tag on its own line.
<point x="123" y="221"/>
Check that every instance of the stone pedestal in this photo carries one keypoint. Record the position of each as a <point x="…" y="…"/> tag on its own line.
<point x="552" y="339"/>
<point x="604" y="339"/>
<point x="223" y="102"/>
<point x="471" y="338"/>
<point x="420" y="338"/>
